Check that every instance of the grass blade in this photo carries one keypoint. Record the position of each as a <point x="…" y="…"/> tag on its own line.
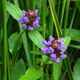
<point x="5" y="41"/>
<point x="62" y="13"/>
<point x="66" y="17"/>
<point x="55" y="18"/>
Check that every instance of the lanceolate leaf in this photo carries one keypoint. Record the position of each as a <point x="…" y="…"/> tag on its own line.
<point x="67" y="41"/>
<point x="14" y="10"/>
<point x="36" y="37"/>
<point x="74" y="34"/>
<point x="32" y="74"/>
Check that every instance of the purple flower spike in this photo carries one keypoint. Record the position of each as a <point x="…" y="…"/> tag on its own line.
<point x="30" y="19"/>
<point x="54" y="49"/>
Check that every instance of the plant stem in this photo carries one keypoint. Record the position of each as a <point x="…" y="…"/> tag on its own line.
<point x="43" y="18"/>
<point x="25" y="43"/>
<point x="5" y="41"/>
<point x="62" y="13"/>
<point x="34" y="56"/>
<point x="66" y="17"/>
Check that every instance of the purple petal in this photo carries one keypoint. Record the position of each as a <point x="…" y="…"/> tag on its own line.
<point x="45" y="42"/>
<point x="53" y="55"/>
<point x="61" y="40"/>
<point x="21" y="20"/>
<point x="30" y="28"/>
<point x="63" y="55"/>
<point x="37" y="18"/>
<point x="35" y="24"/>
<point x="51" y="49"/>
<point x="51" y="38"/>
<point x="24" y="12"/>
<point x="36" y="11"/>
<point x="62" y="47"/>
<point x="26" y="19"/>
<point x="58" y="59"/>
<point x="24" y="26"/>
<point x="44" y="50"/>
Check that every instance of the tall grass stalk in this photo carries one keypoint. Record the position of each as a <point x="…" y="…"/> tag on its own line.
<point x="51" y="25"/>
<point x="43" y="18"/>
<point x="62" y="12"/>
<point x="27" y="7"/>
<point x="66" y="17"/>
<point x="71" y="24"/>
<point x="66" y="61"/>
<point x="34" y="57"/>
<point x="0" y="57"/>
<point x="5" y="41"/>
<point x="58" y="8"/>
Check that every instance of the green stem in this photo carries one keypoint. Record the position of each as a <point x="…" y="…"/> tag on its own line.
<point x="27" y="7"/>
<point x="68" y="68"/>
<point x="25" y="43"/>
<point x="5" y="41"/>
<point x="34" y="57"/>
<point x="51" y="26"/>
<point x="66" y="17"/>
<point x="62" y="13"/>
<point x="72" y="20"/>
<point x="58" y="8"/>
<point x="43" y="18"/>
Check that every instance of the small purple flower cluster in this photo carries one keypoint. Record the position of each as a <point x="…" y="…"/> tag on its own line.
<point x="55" y="49"/>
<point x="30" y="20"/>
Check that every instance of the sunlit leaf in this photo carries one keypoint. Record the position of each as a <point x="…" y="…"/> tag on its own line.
<point x="32" y="74"/>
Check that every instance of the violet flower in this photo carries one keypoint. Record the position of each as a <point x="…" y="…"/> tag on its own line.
<point x="55" y="49"/>
<point x="30" y="20"/>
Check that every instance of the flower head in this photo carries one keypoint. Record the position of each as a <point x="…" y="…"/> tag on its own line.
<point x="30" y="20"/>
<point x="55" y="49"/>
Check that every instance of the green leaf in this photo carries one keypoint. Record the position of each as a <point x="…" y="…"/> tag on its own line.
<point x="66" y="41"/>
<point x="18" y="70"/>
<point x="74" y="34"/>
<point x="74" y="46"/>
<point x="76" y="69"/>
<point x="32" y="74"/>
<point x="37" y="52"/>
<point x="78" y="4"/>
<point x="14" y="10"/>
<point x="36" y="37"/>
<point x="14" y="40"/>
